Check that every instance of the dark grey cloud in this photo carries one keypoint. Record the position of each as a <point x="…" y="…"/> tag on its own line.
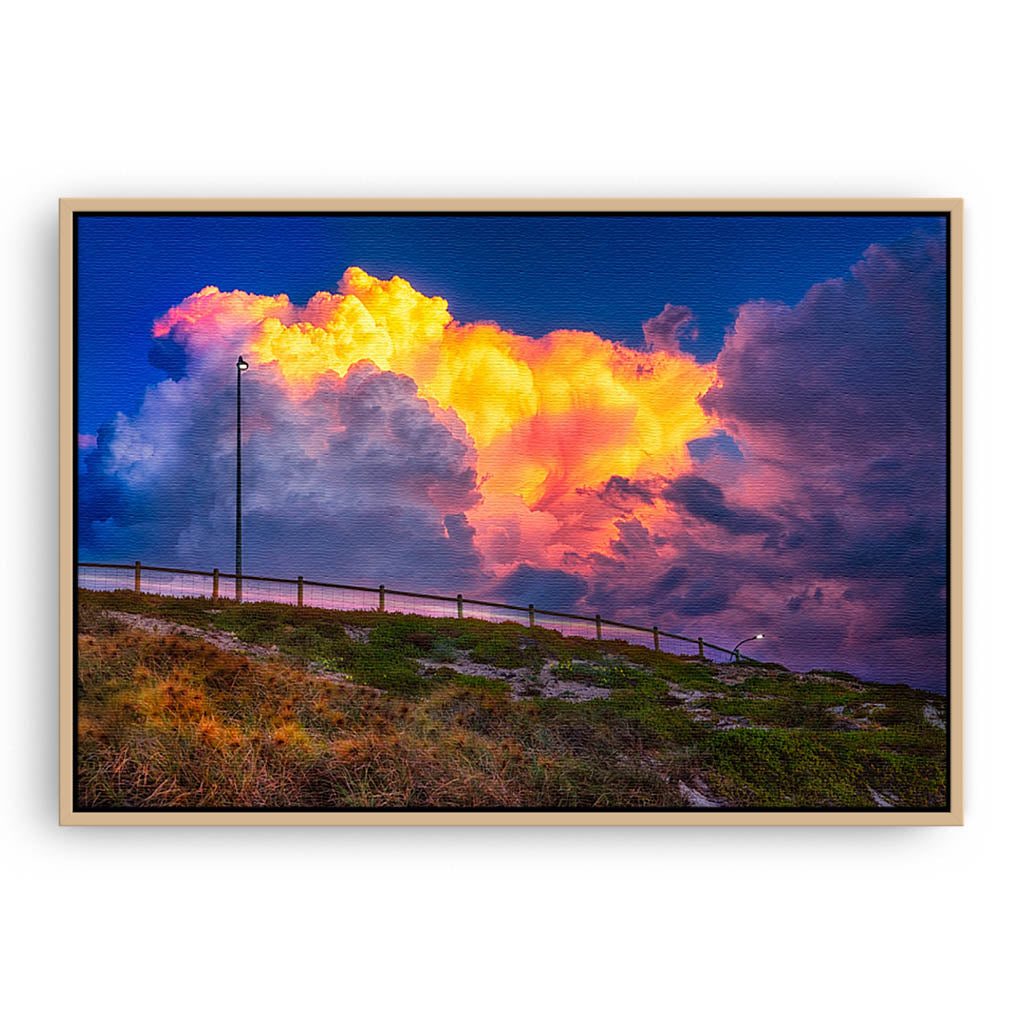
<point x="822" y="522"/>
<point x="551" y="589"/>
<point x="662" y="332"/>
<point x="357" y="479"/>
<point x="857" y="366"/>
<point x="706" y="500"/>
<point x="620" y="490"/>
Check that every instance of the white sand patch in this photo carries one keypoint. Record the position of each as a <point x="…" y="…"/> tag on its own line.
<point x="525" y="683"/>
<point x="225" y="641"/>
<point x="218" y="638"/>
<point x="695" y="796"/>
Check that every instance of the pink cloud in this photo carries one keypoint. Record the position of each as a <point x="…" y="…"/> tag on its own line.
<point x="662" y="332"/>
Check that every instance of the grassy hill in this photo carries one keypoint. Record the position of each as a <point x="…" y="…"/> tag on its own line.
<point x="196" y="703"/>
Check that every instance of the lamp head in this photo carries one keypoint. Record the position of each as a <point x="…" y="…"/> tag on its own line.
<point x="242" y="364"/>
<point x="760" y="636"/>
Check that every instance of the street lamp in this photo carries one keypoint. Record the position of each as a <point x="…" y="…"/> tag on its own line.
<point x="239" y="366"/>
<point x="736" y="649"/>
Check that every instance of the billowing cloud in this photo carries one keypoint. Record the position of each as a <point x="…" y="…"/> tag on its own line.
<point x="794" y="487"/>
<point x="706" y="501"/>
<point x="855" y="369"/>
<point x="545" y="416"/>
<point x="551" y="589"/>
<point x="822" y="522"/>
<point x="356" y="477"/>
<point x="663" y="332"/>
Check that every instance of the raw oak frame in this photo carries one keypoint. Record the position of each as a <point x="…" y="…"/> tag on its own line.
<point x="953" y="816"/>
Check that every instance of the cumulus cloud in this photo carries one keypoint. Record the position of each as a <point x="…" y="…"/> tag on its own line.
<point x="547" y="417"/>
<point x="706" y="501"/>
<point x="550" y="589"/>
<point x="662" y="332"/>
<point x="856" y="368"/>
<point x="356" y="479"/>
<point x="822" y="522"/>
<point x="794" y="487"/>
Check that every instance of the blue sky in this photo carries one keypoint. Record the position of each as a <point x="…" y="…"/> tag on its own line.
<point x="532" y="275"/>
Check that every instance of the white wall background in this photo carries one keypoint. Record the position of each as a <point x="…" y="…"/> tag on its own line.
<point x="548" y="98"/>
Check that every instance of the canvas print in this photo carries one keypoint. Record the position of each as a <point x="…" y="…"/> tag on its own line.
<point x="418" y="510"/>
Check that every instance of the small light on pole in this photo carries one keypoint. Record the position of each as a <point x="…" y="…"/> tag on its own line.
<point x="736" y="649"/>
<point x="239" y="366"/>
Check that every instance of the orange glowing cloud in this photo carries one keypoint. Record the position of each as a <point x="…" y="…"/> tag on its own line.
<point x="551" y="418"/>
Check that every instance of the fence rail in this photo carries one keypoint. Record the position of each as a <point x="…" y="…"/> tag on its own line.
<point x="158" y="579"/>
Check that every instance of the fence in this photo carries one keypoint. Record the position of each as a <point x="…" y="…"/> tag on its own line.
<point x="153" y="579"/>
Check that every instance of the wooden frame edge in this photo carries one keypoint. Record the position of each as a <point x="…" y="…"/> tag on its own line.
<point x="393" y="818"/>
<point x="441" y="205"/>
<point x="67" y="554"/>
<point x="955" y="456"/>
<point x="68" y="207"/>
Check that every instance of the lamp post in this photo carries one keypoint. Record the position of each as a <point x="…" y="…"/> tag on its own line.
<point x="239" y="366"/>
<point x="736" y="649"/>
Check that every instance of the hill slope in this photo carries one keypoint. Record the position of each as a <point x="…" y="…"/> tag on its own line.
<point x="195" y="703"/>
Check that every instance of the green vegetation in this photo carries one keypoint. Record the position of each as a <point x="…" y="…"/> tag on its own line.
<point x="608" y="672"/>
<point x="269" y="705"/>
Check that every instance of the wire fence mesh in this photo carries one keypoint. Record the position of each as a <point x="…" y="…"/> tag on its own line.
<point x="336" y="598"/>
<point x="280" y="592"/>
<point x="339" y="597"/>
<point x="106" y="577"/>
<point x="672" y="646"/>
<point x="627" y="634"/>
<point x="567" y="627"/>
<point x="408" y="604"/>
<point x="178" y="584"/>
<point x="477" y="610"/>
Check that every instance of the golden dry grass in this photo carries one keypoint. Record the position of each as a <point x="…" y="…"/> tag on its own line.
<point x="333" y="721"/>
<point x="169" y="721"/>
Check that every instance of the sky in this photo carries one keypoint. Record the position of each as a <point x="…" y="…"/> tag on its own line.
<point x="723" y="425"/>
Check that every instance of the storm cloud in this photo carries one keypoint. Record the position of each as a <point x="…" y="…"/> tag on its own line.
<point x="357" y="478"/>
<point x="822" y="520"/>
<point x="796" y="487"/>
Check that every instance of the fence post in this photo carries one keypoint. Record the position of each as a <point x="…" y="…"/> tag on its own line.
<point x="380" y="606"/>
<point x="531" y="617"/>
<point x="138" y="577"/>
<point x="299" y="581"/>
<point x="700" y="645"/>
<point x="216" y="584"/>
<point x="597" y="623"/>
<point x="458" y="599"/>
<point x="656" y="647"/>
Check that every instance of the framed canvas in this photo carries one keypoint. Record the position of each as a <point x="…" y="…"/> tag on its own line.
<point x="511" y="512"/>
